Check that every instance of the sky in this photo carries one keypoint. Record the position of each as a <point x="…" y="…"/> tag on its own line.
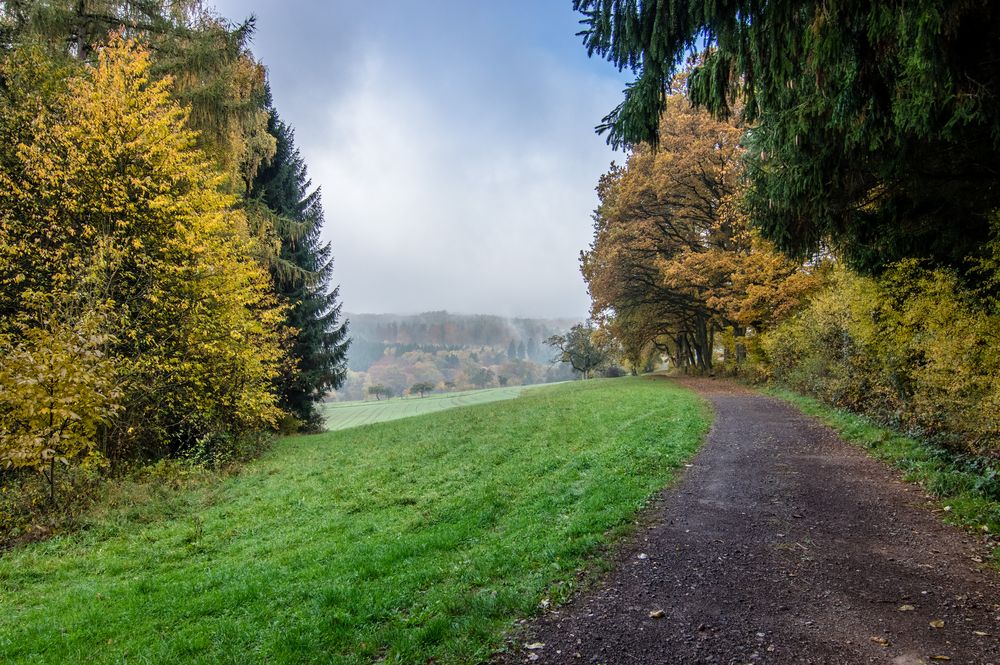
<point x="453" y="143"/>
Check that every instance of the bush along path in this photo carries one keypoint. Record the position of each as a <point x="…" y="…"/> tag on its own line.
<point x="783" y="544"/>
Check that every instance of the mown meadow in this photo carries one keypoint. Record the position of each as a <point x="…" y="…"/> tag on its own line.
<point x="417" y="540"/>
<point x="344" y="415"/>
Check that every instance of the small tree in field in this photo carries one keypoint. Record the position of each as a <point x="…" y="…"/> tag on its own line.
<point x="421" y="388"/>
<point x="379" y="391"/>
<point x="581" y="347"/>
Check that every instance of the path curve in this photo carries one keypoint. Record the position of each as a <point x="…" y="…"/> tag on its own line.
<point x="782" y="544"/>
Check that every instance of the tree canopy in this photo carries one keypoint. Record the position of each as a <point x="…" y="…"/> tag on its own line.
<point x="112" y="222"/>
<point x="674" y="260"/>
<point x="874" y="127"/>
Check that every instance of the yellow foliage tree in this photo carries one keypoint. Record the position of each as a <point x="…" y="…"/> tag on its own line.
<point x="674" y="259"/>
<point x="106" y="194"/>
<point x="56" y="389"/>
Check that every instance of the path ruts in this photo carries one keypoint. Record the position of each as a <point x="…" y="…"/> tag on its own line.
<point x="782" y="544"/>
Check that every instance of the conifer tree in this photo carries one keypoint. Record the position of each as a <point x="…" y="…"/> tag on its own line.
<point x="875" y="126"/>
<point x="302" y="276"/>
<point x="206" y="57"/>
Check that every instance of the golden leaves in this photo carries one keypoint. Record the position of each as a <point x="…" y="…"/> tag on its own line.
<point x="111" y="211"/>
<point x="672" y="244"/>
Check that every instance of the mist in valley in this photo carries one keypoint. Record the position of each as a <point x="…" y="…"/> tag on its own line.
<point x="449" y="351"/>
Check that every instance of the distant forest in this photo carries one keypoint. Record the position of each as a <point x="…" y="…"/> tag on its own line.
<point x="449" y="351"/>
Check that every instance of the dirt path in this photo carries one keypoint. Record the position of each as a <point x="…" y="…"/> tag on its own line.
<point x="782" y="544"/>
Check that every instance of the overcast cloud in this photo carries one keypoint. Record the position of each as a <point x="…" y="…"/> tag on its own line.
<point x="453" y="141"/>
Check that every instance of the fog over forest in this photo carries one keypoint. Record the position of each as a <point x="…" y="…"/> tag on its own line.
<point x="450" y="351"/>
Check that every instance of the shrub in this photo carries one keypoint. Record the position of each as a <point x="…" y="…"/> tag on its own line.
<point x="914" y="349"/>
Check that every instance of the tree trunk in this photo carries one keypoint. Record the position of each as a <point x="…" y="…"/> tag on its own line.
<point x="739" y="335"/>
<point x="702" y="344"/>
<point x="52" y="480"/>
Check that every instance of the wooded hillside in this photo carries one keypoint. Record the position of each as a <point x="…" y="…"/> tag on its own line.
<point x="450" y="352"/>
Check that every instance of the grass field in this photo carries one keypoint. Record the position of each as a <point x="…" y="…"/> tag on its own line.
<point x="410" y="541"/>
<point x="342" y="415"/>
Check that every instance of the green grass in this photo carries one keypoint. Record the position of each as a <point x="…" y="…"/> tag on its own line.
<point x="342" y="415"/>
<point x="968" y="487"/>
<point x="410" y="541"/>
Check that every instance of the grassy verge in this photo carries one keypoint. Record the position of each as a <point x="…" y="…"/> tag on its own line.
<point x="968" y="487"/>
<point x="87" y="498"/>
<point x="411" y="541"/>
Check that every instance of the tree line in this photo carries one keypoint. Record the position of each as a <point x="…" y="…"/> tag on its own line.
<point x="449" y="369"/>
<point x="164" y="288"/>
<point x="809" y="196"/>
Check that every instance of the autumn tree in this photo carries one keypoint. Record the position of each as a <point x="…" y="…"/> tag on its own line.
<point x="209" y="68"/>
<point x="105" y="198"/>
<point x="674" y="261"/>
<point x="57" y="388"/>
<point x="655" y="212"/>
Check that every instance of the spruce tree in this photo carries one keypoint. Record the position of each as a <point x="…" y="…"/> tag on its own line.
<point x="874" y="127"/>
<point x="207" y="58"/>
<point x="302" y="277"/>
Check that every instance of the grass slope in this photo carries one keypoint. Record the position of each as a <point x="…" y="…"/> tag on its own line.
<point x="342" y="415"/>
<point x="402" y="542"/>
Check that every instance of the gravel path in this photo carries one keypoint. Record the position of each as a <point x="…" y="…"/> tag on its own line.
<point x="782" y="544"/>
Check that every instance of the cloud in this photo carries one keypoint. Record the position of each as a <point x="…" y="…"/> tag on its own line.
<point x="457" y="167"/>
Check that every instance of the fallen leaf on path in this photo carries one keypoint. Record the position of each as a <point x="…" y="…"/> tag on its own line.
<point x="881" y="641"/>
<point x="980" y="633"/>
<point x="657" y="614"/>
<point x="532" y="656"/>
<point x="906" y="608"/>
<point x="534" y="646"/>
<point x="940" y="657"/>
<point x="937" y="623"/>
